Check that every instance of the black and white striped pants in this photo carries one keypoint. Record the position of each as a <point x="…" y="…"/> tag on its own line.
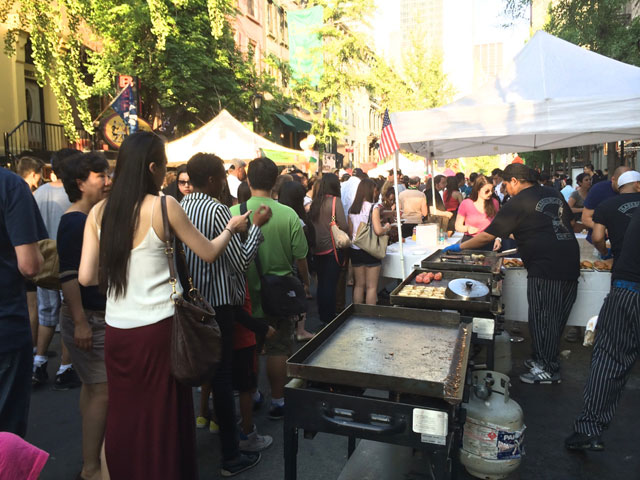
<point x="550" y="303"/>
<point x="616" y="348"/>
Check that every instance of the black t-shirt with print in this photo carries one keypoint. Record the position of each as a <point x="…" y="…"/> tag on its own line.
<point x="615" y="214"/>
<point x="627" y="266"/>
<point x="540" y="220"/>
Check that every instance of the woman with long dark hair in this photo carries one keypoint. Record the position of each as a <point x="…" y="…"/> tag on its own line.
<point x="476" y="212"/>
<point x="366" y="268"/>
<point x="123" y="251"/>
<point x="452" y="200"/>
<point x="292" y="194"/>
<point x="327" y="259"/>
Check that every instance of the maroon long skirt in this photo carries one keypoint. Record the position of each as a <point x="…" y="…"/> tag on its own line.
<point x="150" y="431"/>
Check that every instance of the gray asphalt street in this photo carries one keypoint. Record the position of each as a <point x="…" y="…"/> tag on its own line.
<point x="54" y="425"/>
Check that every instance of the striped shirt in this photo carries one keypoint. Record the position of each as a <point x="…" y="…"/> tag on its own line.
<point x="223" y="281"/>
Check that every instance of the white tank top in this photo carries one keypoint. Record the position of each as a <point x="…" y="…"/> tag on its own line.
<point x="146" y="299"/>
<point x="357" y="219"/>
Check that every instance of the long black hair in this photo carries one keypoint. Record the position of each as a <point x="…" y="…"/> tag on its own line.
<point x="329" y="185"/>
<point x="365" y="193"/>
<point x="292" y="195"/>
<point x="132" y="181"/>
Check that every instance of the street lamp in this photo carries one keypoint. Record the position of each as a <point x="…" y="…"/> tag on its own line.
<point x="256" y="102"/>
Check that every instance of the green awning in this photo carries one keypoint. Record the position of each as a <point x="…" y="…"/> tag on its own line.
<point x="293" y="122"/>
<point x="285" y="120"/>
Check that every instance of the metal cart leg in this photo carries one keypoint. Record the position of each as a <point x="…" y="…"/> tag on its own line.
<point x="351" y="446"/>
<point x="290" y="452"/>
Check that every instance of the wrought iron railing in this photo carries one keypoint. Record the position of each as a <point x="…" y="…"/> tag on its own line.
<point x="31" y="136"/>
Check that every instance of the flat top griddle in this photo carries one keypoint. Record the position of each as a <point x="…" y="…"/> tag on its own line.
<point x="475" y="305"/>
<point x="398" y="349"/>
<point x="462" y="261"/>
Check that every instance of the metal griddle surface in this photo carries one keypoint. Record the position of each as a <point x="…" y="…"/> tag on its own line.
<point x="404" y="350"/>
<point x="461" y="261"/>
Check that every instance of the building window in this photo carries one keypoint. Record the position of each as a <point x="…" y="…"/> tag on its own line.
<point x="251" y="8"/>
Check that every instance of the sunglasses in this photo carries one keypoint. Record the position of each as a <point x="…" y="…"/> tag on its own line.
<point x="184" y="183"/>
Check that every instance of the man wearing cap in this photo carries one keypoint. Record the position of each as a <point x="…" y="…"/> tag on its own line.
<point x="540" y="220"/>
<point x="598" y="193"/>
<point x="612" y="216"/>
<point x="616" y="347"/>
<point x="236" y="175"/>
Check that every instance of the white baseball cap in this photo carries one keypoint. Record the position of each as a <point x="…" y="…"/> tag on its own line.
<point x="630" y="176"/>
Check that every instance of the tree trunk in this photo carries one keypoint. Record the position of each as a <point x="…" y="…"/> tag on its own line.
<point x="612" y="157"/>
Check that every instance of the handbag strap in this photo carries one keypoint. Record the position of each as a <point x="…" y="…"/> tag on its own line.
<point x="168" y="247"/>
<point x="243" y="210"/>
<point x="333" y="242"/>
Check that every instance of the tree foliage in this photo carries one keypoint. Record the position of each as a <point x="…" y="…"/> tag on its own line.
<point x="183" y="52"/>
<point x="419" y="83"/>
<point x="599" y="25"/>
<point x="346" y="71"/>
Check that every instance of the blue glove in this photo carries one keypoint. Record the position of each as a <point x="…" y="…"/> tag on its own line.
<point x="607" y="256"/>
<point x="452" y="248"/>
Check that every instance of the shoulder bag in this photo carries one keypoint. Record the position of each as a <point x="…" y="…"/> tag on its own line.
<point x="367" y="240"/>
<point x="49" y="275"/>
<point x="340" y="239"/>
<point x="280" y="295"/>
<point x="196" y="345"/>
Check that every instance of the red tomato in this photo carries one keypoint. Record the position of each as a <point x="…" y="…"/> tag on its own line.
<point x="419" y="279"/>
<point x="427" y="280"/>
<point x="438" y="276"/>
<point x="430" y="275"/>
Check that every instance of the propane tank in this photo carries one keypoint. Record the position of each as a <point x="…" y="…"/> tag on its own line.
<point x="494" y="428"/>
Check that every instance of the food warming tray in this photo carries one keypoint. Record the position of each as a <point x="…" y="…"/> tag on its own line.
<point x="490" y="304"/>
<point x="397" y="349"/>
<point x="462" y="261"/>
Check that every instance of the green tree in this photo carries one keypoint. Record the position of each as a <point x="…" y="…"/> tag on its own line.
<point x="346" y="71"/>
<point x="183" y="52"/>
<point x="418" y="84"/>
<point x="598" y="25"/>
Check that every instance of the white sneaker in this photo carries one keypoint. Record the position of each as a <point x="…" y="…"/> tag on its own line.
<point x="254" y="442"/>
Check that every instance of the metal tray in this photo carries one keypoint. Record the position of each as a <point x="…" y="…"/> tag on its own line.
<point x="402" y="350"/>
<point x="484" y="305"/>
<point x="491" y="263"/>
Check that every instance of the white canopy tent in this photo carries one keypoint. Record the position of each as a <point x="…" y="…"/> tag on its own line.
<point x="553" y="95"/>
<point x="229" y="139"/>
<point x="408" y="167"/>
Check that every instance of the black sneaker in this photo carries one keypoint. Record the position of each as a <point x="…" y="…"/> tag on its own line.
<point x="258" y="403"/>
<point x="276" y="412"/>
<point x="582" y="441"/>
<point x="66" y="380"/>
<point x="241" y="463"/>
<point x="40" y="375"/>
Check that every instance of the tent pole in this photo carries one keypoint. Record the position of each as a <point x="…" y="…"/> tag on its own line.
<point x="395" y="186"/>
<point x="433" y="179"/>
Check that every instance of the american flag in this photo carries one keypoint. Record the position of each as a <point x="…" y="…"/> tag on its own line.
<point x="388" y="142"/>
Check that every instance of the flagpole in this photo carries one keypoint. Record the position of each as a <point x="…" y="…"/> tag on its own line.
<point x="395" y="185"/>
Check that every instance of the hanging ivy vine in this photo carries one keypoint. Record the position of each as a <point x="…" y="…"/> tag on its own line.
<point x="59" y="31"/>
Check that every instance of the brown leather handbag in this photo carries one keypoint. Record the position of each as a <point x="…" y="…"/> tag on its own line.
<point x="196" y="345"/>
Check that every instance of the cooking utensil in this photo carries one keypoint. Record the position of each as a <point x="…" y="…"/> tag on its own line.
<point x="466" y="289"/>
<point x="466" y="260"/>
<point x="507" y="253"/>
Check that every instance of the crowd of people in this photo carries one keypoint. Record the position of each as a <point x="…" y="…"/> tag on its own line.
<point x="238" y="225"/>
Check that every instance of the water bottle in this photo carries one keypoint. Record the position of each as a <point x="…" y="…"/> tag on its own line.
<point x="442" y="236"/>
<point x="415" y="230"/>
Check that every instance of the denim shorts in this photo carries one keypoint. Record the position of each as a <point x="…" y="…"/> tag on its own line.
<point x="49" y="302"/>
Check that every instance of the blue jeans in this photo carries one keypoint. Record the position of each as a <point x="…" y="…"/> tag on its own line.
<point x="15" y="389"/>
<point x="328" y="272"/>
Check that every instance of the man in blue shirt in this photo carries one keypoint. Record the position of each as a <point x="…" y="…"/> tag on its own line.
<point x="21" y="227"/>
<point x="598" y="194"/>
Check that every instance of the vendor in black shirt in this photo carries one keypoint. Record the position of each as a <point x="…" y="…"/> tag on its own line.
<point x="540" y="220"/>
<point x="612" y="216"/>
<point x="616" y="348"/>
